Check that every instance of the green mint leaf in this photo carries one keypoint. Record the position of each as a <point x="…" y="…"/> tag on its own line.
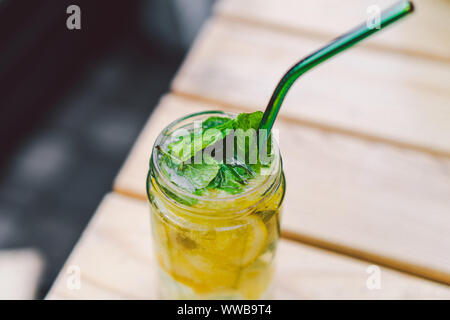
<point x="247" y="121"/>
<point x="169" y="159"/>
<point x="225" y="180"/>
<point x="187" y="146"/>
<point x="188" y="176"/>
<point x="228" y="180"/>
<point x="200" y="175"/>
<point x="247" y="145"/>
<point x="177" y="147"/>
<point x="231" y="173"/>
<point x="172" y="168"/>
<point x="213" y="122"/>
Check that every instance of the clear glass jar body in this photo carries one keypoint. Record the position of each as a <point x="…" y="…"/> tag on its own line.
<point x="217" y="248"/>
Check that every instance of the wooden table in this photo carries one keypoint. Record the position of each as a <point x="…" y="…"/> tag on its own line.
<point x="365" y="141"/>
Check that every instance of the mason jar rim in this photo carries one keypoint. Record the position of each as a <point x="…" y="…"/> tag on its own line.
<point x="165" y="133"/>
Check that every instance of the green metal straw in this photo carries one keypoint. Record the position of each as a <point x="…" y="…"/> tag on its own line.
<point x="338" y="45"/>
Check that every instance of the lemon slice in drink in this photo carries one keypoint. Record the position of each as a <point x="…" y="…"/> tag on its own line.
<point x="212" y="260"/>
<point x="240" y="244"/>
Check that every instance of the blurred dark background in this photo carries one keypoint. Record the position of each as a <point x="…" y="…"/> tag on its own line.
<point x="72" y="103"/>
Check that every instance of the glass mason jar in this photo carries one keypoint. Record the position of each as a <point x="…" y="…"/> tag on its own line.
<point x="216" y="248"/>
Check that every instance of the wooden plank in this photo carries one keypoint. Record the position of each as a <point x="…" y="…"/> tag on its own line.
<point x="114" y="255"/>
<point x="20" y="272"/>
<point x="116" y="262"/>
<point x="423" y="34"/>
<point x="367" y="199"/>
<point x="380" y="96"/>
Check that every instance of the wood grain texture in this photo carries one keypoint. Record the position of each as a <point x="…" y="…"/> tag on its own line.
<point x="367" y="199"/>
<point x="116" y="262"/>
<point x="424" y="34"/>
<point x="380" y="96"/>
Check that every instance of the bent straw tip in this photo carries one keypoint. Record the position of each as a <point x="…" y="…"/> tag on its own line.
<point x="409" y="6"/>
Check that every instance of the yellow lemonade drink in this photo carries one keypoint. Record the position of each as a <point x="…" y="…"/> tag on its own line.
<point x="214" y="235"/>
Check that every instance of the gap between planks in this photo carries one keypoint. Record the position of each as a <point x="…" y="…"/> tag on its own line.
<point x="304" y="238"/>
<point x="389" y="262"/>
<point x="190" y="82"/>
<point x="326" y="37"/>
<point x="106" y="228"/>
<point x="259" y="22"/>
<point x="321" y="126"/>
